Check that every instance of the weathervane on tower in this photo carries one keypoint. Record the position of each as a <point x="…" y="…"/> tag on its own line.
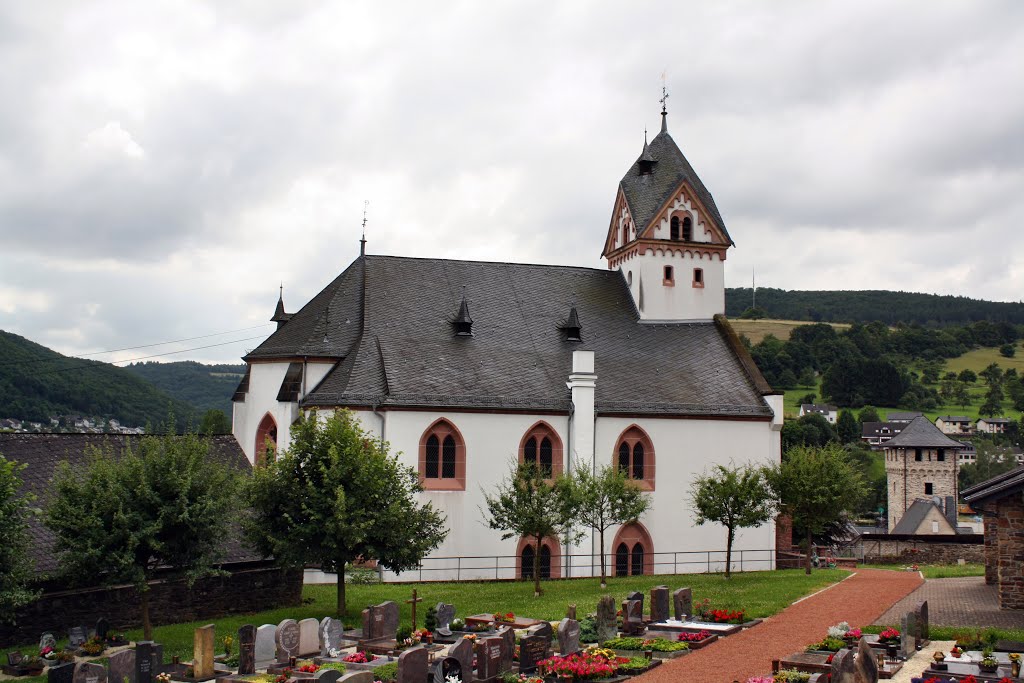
<point x="664" y="101"/>
<point x="362" y="241"/>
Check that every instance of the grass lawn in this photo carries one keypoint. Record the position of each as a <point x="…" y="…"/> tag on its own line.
<point x="936" y="571"/>
<point x="760" y="593"/>
<point x="979" y="359"/>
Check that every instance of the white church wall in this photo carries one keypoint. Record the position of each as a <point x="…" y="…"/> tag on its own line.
<point x="681" y="301"/>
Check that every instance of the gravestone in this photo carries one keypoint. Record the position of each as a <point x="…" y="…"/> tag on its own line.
<point x="247" y="650"/>
<point x="331" y="633"/>
<point x="266" y="645"/>
<point x="508" y="647"/>
<point x="632" y="617"/>
<point x="844" y="668"/>
<point x="62" y="673"/>
<point x="908" y="635"/>
<point x="637" y="595"/>
<point x="682" y="601"/>
<point x="390" y="620"/>
<point x="309" y="638"/>
<point x="532" y="649"/>
<point x="568" y="636"/>
<point x="286" y="639"/>
<point x="76" y="636"/>
<point x="202" y="652"/>
<point x="87" y="672"/>
<point x="606" y="624"/>
<point x="659" y="603"/>
<point x="570" y="612"/>
<point x="445" y="667"/>
<point x="445" y="614"/>
<point x="357" y="677"/>
<point x="144" y="661"/>
<point x="121" y="667"/>
<point x="156" y="656"/>
<point x="488" y="658"/>
<point x="47" y="640"/>
<point x="866" y="665"/>
<point x="542" y="629"/>
<point x="102" y="627"/>
<point x="15" y="658"/>
<point x="412" y="665"/>
<point x="463" y="651"/>
<point x="923" y="626"/>
<point x="327" y="676"/>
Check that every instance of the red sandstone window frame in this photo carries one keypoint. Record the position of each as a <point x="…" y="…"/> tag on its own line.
<point x="668" y="276"/>
<point x="442" y="428"/>
<point x="539" y="431"/>
<point x="553" y="546"/>
<point x="698" y="278"/>
<point x="267" y="429"/>
<point x="631" y="436"/>
<point x="632" y="535"/>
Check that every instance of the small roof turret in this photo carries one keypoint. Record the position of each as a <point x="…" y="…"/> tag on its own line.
<point x="280" y="317"/>
<point x="572" y="326"/>
<point x="463" y="322"/>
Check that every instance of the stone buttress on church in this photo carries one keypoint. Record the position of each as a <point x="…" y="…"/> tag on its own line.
<point x="464" y="366"/>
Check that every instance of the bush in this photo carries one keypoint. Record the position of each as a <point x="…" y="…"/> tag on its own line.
<point x="385" y="673"/>
<point x="361" y="576"/>
<point x="1007" y="350"/>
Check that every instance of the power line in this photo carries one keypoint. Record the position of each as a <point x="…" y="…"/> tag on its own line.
<point x="129" y="348"/>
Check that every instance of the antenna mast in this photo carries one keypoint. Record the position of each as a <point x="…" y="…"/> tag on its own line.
<point x="753" y="288"/>
<point x="362" y="242"/>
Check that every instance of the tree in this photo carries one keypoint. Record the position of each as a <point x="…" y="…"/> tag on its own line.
<point x="967" y="376"/>
<point x="807" y="398"/>
<point x="526" y="504"/>
<point x="993" y="404"/>
<point x="868" y="414"/>
<point x="737" y="497"/>
<point x="810" y="430"/>
<point x="604" y="499"/>
<point x="15" y="566"/>
<point x="161" y="505"/>
<point x="991" y="461"/>
<point x="337" y="495"/>
<point x="847" y="427"/>
<point x="992" y="374"/>
<point x="816" y="486"/>
<point x="1007" y="350"/>
<point x="215" y="422"/>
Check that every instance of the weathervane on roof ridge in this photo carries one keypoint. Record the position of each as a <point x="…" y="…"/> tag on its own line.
<point x="362" y="241"/>
<point x="664" y="101"/>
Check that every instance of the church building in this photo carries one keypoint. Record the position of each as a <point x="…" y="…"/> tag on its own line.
<point x="466" y="366"/>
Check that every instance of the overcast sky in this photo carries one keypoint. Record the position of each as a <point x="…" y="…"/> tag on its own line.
<point x="165" y="165"/>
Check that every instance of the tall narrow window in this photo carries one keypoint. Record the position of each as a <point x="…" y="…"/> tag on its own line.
<point x="548" y="557"/>
<point x="442" y="461"/>
<point x="635" y="457"/>
<point x="624" y="457"/>
<point x="622" y="560"/>
<point x="527" y="562"/>
<point x="625" y="233"/>
<point x="542" y="447"/>
<point x="698" y="277"/>
<point x="530" y="451"/>
<point x="637" y="560"/>
<point x="545" y="456"/>
<point x="687" y="229"/>
<point x="634" y="550"/>
<point x="545" y="561"/>
<point x="266" y="440"/>
<point x="674" y="228"/>
<point x="638" y="461"/>
<point x="669" y="276"/>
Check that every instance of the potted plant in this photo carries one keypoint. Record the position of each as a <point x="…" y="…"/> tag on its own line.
<point x="1015" y="664"/>
<point x="988" y="663"/>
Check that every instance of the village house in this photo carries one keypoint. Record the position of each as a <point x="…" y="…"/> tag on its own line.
<point x="830" y="413"/>
<point x="956" y="425"/>
<point x="877" y="433"/>
<point x="993" y="425"/>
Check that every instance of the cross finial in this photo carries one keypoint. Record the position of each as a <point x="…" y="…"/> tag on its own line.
<point x="362" y="241"/>
<point x="664" y="103"/>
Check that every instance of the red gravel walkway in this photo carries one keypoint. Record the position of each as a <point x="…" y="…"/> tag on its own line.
<point x="860" y="600"/>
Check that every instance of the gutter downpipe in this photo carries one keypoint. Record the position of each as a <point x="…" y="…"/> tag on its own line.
<point x="568" y="470"/>
<point x="383" y="423"/>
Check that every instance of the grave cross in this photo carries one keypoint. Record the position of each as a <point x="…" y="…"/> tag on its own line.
<point x="413" y="601"/>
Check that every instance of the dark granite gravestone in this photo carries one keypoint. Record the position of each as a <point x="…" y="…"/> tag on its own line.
<point x="87" y="672"/>
<point x="866" y="665"/>
<point x="157" y="657"/>
<point x="412" y="665"/>
<point x="76" y="636"/>
<point x="390" y="619"/>
<point x="62" y="673"/>
<point x="843" y="667"/>
<point x="445" y="667"/>
<point x="659" y="603"/>
<point x="462" y="650"/>
<point x="15" y="658"/>
<point x="532" y="649"/>
<point x="357" y="677"/>
<point x="682" y="601"/>
<point x="370" y="621"/>
<point x="568" y="636"/>
<point x="328" y="676"/>
<point x="102" y="627"/>
<point x="908" y="635"/>
<point x="287" y="640"/>
<point x="121" y="667"/>
<point x="331" y="633"/>
<point x="508" y="647"/>
<point x="266" y="645"/>
<point x="445" y="614"/>
<point x="542" y="629"/>
<point x="923" y="626"/>
<point x="246" y="650"/>
<point x="606" y="622"/>
<point x="144" y="661"/>
<point x="488" y="658"/>
<point x="47" y="640"/>
<point x="637" y="595"/>
<point x="632" y="617"/>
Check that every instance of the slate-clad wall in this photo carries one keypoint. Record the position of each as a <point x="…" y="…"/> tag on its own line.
<point x="243" y="591"/>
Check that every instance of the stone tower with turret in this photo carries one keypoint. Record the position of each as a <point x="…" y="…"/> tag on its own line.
<point x="920" y="464"/>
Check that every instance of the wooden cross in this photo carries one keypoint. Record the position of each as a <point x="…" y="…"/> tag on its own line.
<point x="413" y="601"/>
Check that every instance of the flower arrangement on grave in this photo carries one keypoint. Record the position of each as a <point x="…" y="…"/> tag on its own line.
<point x="283" y="676"/>
<point x="48" y="653"/>
<point x="988" y="663"/>
<point x="227" y="642"/>
<point x="956" y="652"/>
<point x="889" y="635"/>
<point x="422" y="634"/>
<point x="792" y="676"/>
<point x="507" y="617"/>
<point x="454" y="678"/>
<point x="523" y="678"/>
<point x="1015" y="664"/>
<point x="653" y="644"/>
<point x="828" y="644"/>
<point x="404" y="638"/>
<point x="65" y="656"/>
<point x="359" y="658"/>
<point x="694" y="637"/>
<point x="93" y="646"/>
<point x="469" y="636"/>
<point x="706" y="612"/>
<point x="163" y="678"/>
<point x="308" y="668"/>
<point x="760" y="679"/>
<point x="581" y="666"/>
<point x="457" y="625"/>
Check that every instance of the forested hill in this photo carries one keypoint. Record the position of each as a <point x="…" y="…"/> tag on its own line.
<point x="37" y="383"/>
<point x="871" y="305"/>
<point x="204" y="386"/>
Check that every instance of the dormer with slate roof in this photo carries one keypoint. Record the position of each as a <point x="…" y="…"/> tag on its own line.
<point x="667" y="236"/>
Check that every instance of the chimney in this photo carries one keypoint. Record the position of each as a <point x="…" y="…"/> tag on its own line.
<point x="951" y="510"/>
<point x="582" y="384"/>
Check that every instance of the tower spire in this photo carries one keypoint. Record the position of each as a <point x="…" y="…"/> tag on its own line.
<point x="362" y="241"/>
<point x="664" y="107"/>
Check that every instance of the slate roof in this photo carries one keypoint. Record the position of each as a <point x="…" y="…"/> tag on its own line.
<point x="902" y="417"/>
<point x="999" y="486"/>
<point x="517" y="359"/>
<point x="42" y="452"/>
<point x="954" y="418"/>
<point x="921" y="433"/>
<point x="646" y="194"/>
<point x="915" y="514"/>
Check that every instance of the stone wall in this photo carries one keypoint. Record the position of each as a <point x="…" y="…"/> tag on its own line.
<point x="245" y="590"/>
<point x="991" y="554"/>
<point x="924" y="551"/>
<point x="1010" y="548"/>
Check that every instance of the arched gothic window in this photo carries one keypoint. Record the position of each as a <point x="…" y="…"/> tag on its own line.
<point x="550" y="558"/>
<point x="622" y="560"/>
<point x="674" y="228"/>
<point x="636" y="559"/>
<point x="442" y="460"/>
<point x="635" y="457"/>
<point x="634" y="551"/>
<point x="687" y="229"/>
<point x="266" y="440"/>
<point x="542" y="447"/>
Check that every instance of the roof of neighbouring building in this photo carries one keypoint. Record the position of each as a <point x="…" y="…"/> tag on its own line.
<point x="875" y="428"/>
<point x="817" y="408"/>
<point x="995" y="420"/>
<point x="999" y="486"/>
<point x="922" y="433"/>
<point x="953" y="418"/>
<point x="41" y="453"/>
<point x="912" y="519"/>
<point x="903" y="417"/>
<point x="396" y="344"/>
<point x="647" y="194"/>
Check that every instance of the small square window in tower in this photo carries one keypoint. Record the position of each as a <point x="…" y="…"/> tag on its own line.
<point x="669" y="277"/>
<point x="927" y="488"/>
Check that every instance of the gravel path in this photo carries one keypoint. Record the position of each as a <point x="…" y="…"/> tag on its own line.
<point x="859" y="599"/>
